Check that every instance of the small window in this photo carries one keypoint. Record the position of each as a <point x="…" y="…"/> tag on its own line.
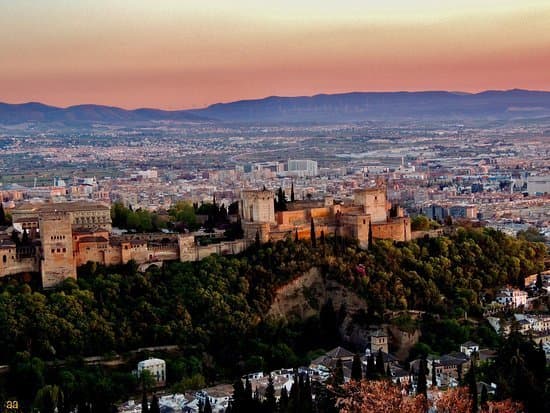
<point x="64" y="249"/>
<point x="53" y="251"/>
<point x="364" y="222"/>
<point x="58" y="250"/>
<point x="4" y="259"/>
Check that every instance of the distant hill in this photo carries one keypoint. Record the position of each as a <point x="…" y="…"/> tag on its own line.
<point x="356" y="106"/>
<point x="38" y="112"/>
<point x="385" y="106"/>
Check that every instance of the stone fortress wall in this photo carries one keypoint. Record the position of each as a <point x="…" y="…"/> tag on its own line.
<point x="67" y="235"/>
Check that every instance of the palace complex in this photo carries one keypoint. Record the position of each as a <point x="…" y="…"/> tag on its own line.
<point x="59" y="237"/>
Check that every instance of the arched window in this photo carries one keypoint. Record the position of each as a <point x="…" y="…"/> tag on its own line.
<point x="4" y="259"/>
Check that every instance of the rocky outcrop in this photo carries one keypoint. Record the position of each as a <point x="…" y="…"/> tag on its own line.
<point x="304" y="296"/>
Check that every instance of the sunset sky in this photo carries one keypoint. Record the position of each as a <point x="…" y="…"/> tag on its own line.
<point x="186" y="53"/>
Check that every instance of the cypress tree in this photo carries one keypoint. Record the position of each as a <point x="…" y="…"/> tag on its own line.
<point x="257" y="238"/>
<point x="484" y="397"/>
<point x="2" y="214"/>
<point x="538" y="283"/>
<point x="339" y="373"/>
<point x="270" y="401"/>
<point x="434" y="377"/>
<point x="207" y="406"/>
<point x="283" y="400"/>
<point x="472" y="386"/>
<point x="296" y="235"/>
<point x="380" y="363"/>
<point x="422" y="385"/>
<point x="313" y="238"/>
<point x="238" y="396"/>
<point x="306" y="397"/>
<point x="144" y="404"/>
<point x="155" y="408"/>
<point x="247" y="392"/>
<point x="292" y="192"/>
<point x="356" y="369"/>
<point x="322" y="238"/>
<point x="371" y="368"/>
<point x="294" y="398"/>
<point x="370" y="235"/>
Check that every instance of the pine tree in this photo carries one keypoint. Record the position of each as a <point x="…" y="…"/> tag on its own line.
<point x="313" y="237"/>
<point x="356" y="368"/>
<point x="155" y="408"/>
<point x="270" y="402"/>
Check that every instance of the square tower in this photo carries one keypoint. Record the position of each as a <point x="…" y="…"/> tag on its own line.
<point x="58" y="261"/>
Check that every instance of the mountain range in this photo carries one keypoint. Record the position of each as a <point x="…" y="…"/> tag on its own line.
<point x="324" y="108"/>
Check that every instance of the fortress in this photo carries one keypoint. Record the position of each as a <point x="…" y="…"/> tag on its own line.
<point x="369" y="212"/>
<point x="59" y="237"/>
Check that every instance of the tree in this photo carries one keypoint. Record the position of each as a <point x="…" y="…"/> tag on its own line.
<point x="434" y="377"/>
<point x="155" y="408"/>
<point x="2" y="214"/>
<point x="283" y="400"/>
<point x="455" y="400"/>
<point x="292" y="192"/>
<point x="380" y="369"/>
<point x="238" y="401"/>
<point x="339" y="373"/>
<point x="371" y="368"/>
<point x="49" y="399"/>
<point x="270" y="402"/>
<point x="144" y="403"/>
<point x="370" y="240"/>
<point x="538" y="283"/>
<point x="356" y="368"/>
<point x="484" y="398"/>
<point x="377" y="396"/>
<point x="207" y="405"/>
<point x="472" y="385"/>
<point x="313" y="237"/>
<point x="421" y="384"/>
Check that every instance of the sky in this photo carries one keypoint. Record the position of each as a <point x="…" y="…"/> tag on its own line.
<point x="178" y="54"/>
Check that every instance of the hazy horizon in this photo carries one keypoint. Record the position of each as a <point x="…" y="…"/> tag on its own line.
<point x="184" y="55"/>
<point x="270" y="96"/>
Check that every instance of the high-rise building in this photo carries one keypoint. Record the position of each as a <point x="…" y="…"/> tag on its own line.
<point x="302" y="167"/>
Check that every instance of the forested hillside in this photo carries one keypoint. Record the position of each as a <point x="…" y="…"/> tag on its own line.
<point x="215" y="309"/>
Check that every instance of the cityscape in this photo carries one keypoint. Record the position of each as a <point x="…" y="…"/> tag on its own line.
<point x="322" y="249"/>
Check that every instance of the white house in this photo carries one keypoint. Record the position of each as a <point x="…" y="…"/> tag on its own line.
<point x="512" y="297"/>
<point x="469" y="347"/>
<point x="157" y="368"/>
